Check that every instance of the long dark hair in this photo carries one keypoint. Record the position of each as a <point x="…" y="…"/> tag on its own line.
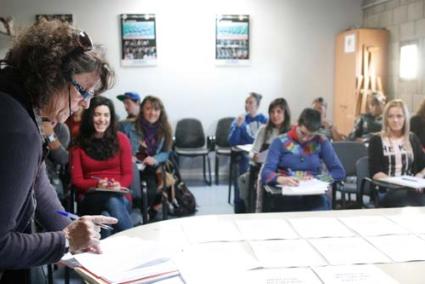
<point x="164" y="126"/>
<point x="98" y="148"/>
<point x="283" y="105"/>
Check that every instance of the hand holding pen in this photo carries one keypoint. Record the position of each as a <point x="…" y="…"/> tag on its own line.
<point x="83" y="232"/>
<point x="106" y="182"/>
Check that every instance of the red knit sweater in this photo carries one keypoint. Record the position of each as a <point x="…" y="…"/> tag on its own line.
<point x="119" y="167"/>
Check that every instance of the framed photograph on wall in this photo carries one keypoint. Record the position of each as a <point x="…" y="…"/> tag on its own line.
<point x="138" y="40"/>
<point x="232" y="40"/>
<point x="66" y="18"/>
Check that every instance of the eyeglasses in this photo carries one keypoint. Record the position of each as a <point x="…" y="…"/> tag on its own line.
<point x="87" y="95"/>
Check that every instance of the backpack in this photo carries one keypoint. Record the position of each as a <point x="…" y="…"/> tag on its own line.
<point x="181" y="201"/>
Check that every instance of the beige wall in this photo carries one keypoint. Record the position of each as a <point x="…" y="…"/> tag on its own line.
<point x="405" y="19"/>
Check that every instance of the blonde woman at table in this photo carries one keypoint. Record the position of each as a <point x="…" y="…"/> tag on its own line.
<point x="395" y="152"/>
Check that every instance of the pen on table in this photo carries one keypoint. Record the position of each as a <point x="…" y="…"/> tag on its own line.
<point x="75" y="217"/>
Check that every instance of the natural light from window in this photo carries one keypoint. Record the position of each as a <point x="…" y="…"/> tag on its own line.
<point x="409" y="61"/>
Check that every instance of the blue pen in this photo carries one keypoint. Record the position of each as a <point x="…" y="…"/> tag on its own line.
<point x="75" y="217"/>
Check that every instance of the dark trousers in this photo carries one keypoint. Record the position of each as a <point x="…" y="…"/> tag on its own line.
<point x="401" y="198"/>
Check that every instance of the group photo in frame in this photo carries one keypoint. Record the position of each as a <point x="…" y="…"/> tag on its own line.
<point x="138" y="40"/>
<point x="232" y="39"/>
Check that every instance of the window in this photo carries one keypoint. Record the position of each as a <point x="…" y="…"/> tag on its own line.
<point x="409" y="61"/>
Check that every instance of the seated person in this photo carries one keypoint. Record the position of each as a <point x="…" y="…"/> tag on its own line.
<point x="74" y="121"/>
<point x="131" y="102"/>
<point x="326" y="129"/>
<point x="370" y="122"/>
<point x="101" y="158"/>
<point x="417" y="124"/>
<point x="155" y="141"/>
<point x="299" y="154"/>
<point x="279" y="123"/>
<point x="395" y="152"/>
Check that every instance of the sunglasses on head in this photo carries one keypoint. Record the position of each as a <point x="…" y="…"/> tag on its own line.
<point x="84" y="41"/>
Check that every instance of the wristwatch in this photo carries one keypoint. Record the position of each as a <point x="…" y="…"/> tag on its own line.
<point x="52" y="138"/>
<point x="66" y="245"/>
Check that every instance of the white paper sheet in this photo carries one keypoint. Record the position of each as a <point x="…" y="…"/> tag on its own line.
<point x="306" y="187"/>
<point x="278" y="276"/>
<point x="316" y="227"/>
<point x="122" y="254"/>
<point x="373" y="225"/>
<point x="353" y="274"/>
<point x="210" y="229"/>
<point x="266" y="229"/>
<point x="415" y="223"/>
<point x="408" y="181"/>
<point x="203" y="263"/>
<point x="400" y="247"/>
<point x="349" y="250"/>
<point x="246" y="148"/>
<point x="286" y="253"/>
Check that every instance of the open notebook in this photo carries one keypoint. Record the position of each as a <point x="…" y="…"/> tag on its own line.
<point x="306" y="187"/>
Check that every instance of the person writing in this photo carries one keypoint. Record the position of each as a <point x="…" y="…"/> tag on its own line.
<point x="300" y="154"/>
<point x="51" y="70"/>
<point x="395" y="151"/>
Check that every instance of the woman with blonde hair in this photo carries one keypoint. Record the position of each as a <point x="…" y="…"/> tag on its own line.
<point x="395" y="151"/>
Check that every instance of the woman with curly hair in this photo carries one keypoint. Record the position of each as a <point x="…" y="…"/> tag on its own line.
<point x="101" y="158"/>
<point x="155" y="140"/>
<point x="50" y="71"/>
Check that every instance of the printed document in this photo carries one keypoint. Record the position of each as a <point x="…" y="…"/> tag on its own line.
<point x="306" y="187"/>
<point x="265" y="229"/>
<point x="373" y="225"/>
<point x="408" y="181"/>
<point x="320" y="227"/>
<point x="401" y="247"/>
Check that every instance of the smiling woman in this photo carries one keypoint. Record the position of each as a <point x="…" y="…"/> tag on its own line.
<point x="36" y="81"/>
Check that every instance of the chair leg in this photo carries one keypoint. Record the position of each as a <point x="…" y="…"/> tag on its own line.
<point x="209" y="170"/>
<point x="216" y="169"/>
<point x="204" y="171"/>
<point x="144" y="204"/>
<point x="230" y="178"/>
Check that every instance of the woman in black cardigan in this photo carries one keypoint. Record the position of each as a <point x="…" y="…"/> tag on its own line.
<point x="395" y="152"/>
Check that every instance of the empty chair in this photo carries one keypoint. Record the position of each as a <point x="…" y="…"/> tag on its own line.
<point x="348" y="153"/>
<point x="222" y="146"/>
<point x="191" y="142"/>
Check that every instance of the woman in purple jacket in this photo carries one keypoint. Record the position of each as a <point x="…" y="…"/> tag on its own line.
<point x="49" y="72"/>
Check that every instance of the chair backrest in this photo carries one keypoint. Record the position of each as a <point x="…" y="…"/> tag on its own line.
<point x="348" y="153"/>
<point x="362" y="171"/>
<point x="222" y="131"/>
<point x="189" y="133"/>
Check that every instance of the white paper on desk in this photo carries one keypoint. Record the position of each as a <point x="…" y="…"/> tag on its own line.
<point x="265" y="229"/>
<point x="414" y="222"/>
<point x="306" y="187"/>
<point x="353" y="274"/>
<point x="279" y="276"/>
<point x="210" y="229"/>
<point x="372" y="225"/>
<point x="246" y="148"/>
<point x="286" y="253"/>
<point x="320" y="227"/>
<point x="400" y="247"/>
<point x="350" y="250"/>
<point x="122" y="254"/>
<point x="203" y="263"/>
<point x="408" y="181"/>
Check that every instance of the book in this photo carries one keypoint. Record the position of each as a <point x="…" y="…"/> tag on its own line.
<point x="122" y="190"/>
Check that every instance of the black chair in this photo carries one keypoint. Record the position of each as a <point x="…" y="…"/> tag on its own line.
<point x="191" y="142"/>
<point x="369" y="187"/>
<point x="348" y="152"/>
<point x="222" y="147"/>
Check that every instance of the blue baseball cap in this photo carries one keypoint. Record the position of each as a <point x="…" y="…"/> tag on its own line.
<point x="129" y="95"/>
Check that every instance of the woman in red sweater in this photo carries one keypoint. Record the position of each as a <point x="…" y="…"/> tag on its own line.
<point x="101" y="158"/>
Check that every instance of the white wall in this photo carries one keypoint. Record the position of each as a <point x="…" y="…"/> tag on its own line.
<point x="292" y="50"/>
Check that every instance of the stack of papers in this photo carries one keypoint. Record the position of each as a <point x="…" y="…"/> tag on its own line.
<point x="306" y="187"/>
<point x="408" y="181"/>
<point x="125" y="259"/>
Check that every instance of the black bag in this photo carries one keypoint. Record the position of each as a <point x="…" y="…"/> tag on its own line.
<point x="181" y="201"/>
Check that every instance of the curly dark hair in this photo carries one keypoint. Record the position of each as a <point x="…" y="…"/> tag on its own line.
<point x="48" y="54"/>
<point x="98" y="148"/>
<point x="164" y="125"/>
<point x="283" y="105"/>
